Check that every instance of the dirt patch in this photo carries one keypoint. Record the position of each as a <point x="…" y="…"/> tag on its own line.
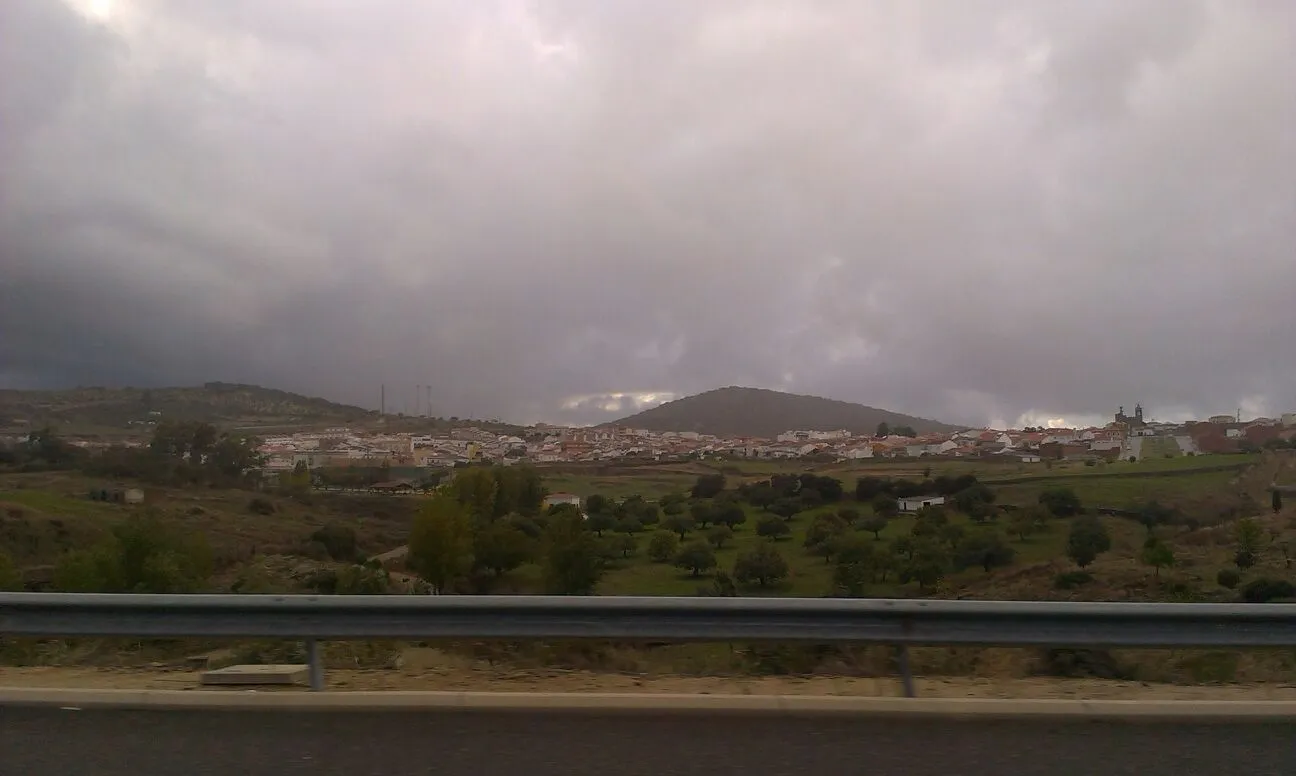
<point x="447" y="673"/>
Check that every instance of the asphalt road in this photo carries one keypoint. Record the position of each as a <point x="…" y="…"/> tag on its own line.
<point x="477" y="743"/>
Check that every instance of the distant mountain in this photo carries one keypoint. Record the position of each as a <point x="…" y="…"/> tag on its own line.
<point x="757" y="412"/>
<point x="223" y="404"/>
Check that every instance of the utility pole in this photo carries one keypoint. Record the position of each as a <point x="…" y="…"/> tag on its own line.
<point x="382" y="402"/>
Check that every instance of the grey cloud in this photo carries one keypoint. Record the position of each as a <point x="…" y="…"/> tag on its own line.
<point x="968" y="211"/>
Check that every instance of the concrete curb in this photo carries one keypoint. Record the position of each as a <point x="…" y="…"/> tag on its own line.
<point x="979" y="708"/>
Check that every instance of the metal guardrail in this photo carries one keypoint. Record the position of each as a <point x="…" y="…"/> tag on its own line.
<point x="896" y="622"/>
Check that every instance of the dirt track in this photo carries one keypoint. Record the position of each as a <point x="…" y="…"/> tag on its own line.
<point x="436" y="672"/>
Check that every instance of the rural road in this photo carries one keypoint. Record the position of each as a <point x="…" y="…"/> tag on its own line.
<point x="473" y="743"/>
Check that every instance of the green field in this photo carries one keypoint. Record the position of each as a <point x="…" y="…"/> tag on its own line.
<point x="44" y="515"/>
<point x="1206" y="490"/>
<point x="985" y="470"/>
<point x="650" y="486"/>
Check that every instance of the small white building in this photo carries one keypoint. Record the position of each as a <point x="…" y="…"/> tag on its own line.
<point x="554" y="499"/>
<point x="915" y="503"/>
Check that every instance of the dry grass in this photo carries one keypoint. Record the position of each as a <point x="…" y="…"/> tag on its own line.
<point x="991" y="673"/>
<point x="43" y="516"/>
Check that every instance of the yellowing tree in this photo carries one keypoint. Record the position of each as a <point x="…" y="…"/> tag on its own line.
<point x="441" y="543"/>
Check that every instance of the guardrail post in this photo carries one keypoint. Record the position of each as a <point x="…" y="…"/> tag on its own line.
<point x="906" y="675"/>
<point x="316" y="667"/>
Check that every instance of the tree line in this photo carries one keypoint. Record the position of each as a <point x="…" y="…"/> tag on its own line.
<point x="178" y="453"/>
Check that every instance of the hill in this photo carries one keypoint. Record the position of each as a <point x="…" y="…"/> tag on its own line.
<point x="223" y="404"/>
<point x="757" y="412"/>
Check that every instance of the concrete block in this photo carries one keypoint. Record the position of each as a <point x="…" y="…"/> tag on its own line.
<point x="218" y="658"/>
<point x="250" y="674"/>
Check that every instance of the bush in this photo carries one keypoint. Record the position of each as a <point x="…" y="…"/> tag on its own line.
<point x="338" y="539"/>
<point x="261" y="506"/>
<point x="1070" y="580"/>
<point x="1061" y="502"/>
<point x="1082" y="663"/>
<point x="1259" y="591"/>
<point x="362" y="580"/>
<point x="1228" y="578"/>
<point x="722" y="586"/>
<point x="10" y="579"/>
<point x="140" y="556"/>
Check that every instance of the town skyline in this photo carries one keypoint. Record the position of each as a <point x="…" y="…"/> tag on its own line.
<point x="421" y="403"/>
<point x="1124" y="438"/>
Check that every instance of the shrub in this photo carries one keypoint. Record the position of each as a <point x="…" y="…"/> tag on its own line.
<point x="1259" y="591"/>
<point x="722" y="586"/>
<point x="1070" y="580"/>
<point x="10" y="579"/>
<point x="1060" y="501"/>
<point x="1228" y="578"/>
<point x="1081" y="663"/>
<point x="362" y="580"/>
<point x="142" y="555"/>
<point x="261" y="506"/>
<point x="338" y="539"/>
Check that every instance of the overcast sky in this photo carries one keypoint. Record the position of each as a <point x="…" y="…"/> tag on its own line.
<point x="979" y="211"/>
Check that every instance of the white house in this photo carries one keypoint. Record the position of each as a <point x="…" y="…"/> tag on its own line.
<point x="553" y="499"/>
<point x="915" y="503"/>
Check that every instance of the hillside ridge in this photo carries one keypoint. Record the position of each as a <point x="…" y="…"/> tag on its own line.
<point x="759" y="412"/>
<point x="214" y="402"/>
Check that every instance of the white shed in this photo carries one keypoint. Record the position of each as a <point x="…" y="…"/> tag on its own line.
<point x="915" y="503"/>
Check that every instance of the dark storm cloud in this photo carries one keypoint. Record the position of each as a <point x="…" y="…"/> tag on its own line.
<point x="975" y="211"/>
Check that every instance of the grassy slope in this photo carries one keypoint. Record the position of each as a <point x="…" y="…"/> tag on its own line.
<point x="44" y="515"/>
<point x="89" y="409"/>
